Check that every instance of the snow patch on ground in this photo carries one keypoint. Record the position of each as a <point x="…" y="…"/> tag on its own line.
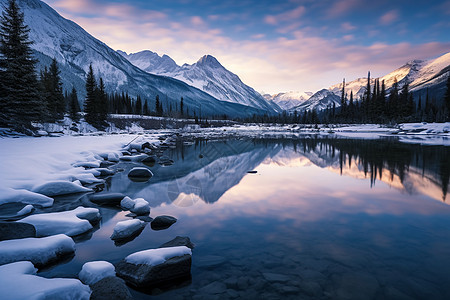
<point x="18" y="281"/>
<point x="39" y="251"/>
<point x="94" y="271"/>
<point x="71" y="223"/>
<point x="153" y="257"/>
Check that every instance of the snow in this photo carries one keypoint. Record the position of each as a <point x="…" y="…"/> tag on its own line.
<point x="153" y="257"/>
<point x="37" y="250"/>
<point x="138" y="206"/>
<point x="127" y="228"/>
<point x="94" y="271"/>
<point x="71" y="223"/>
<point x="25" y="210"/>
<point x="19" y="281"/>
<point x="56" y="188"/>
<point x="8" y="195"/>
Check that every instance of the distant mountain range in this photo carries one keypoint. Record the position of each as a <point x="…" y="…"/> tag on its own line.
<point x="419" y="74"/>
<point x="206" y="74"/>
<point x="206" y="86"/>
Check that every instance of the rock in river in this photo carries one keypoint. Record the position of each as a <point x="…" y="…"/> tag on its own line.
<point x="16" y="230"/>
<point x="110" y="288"/>
<point x="162" y="222"/>
<point x="179" y="241"/>
<point x="112" y="199"/>
<point x="155" y="266"/>
<point x="140" y="172"/>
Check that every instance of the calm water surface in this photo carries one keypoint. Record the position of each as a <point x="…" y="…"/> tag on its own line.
<point x="321" y="219"/>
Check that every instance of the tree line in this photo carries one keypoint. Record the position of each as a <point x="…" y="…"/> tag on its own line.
<point x="27" y="97"/>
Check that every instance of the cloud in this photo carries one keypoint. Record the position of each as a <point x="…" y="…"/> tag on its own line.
<point x="347" y="26"/>
<point x="342" y="7"/>
<point x="389" y="17"/>
<point x="303" y="61"/>
<point x="288" y="16"/>
<point x="197" y="21"/>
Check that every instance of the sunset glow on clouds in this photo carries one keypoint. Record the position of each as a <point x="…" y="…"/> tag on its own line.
<point x="273" y="46"/>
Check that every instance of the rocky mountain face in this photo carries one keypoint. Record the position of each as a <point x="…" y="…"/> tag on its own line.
<point x="56" y="37"/>
<point x="207" y="74"/>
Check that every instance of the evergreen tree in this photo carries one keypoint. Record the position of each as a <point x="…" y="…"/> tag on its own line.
<point x="181" y="107"/>
<point x="343" y="100"/>
<point x="74" y="106"/>
<point x="138" y="105"/>
<point x="52" y="92"/>
<point x="157" y="106"/>
<point x="447" y="99"/>
<point x="90" y="105"/>
<point x="20" y="100"/>
<point x="145" y="110"/>
<point x="101" y="104"/>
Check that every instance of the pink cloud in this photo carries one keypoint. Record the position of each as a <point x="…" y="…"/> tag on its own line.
<point x="197" y="21"/>
<point x="342" y="7"/>
<point x="347" y="26"/>
<point x="288" y="16"/>
<point x="302" y="62"/>
<point x="389" y="17"/>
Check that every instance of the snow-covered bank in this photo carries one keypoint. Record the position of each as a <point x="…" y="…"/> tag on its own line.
<point x="28" y="162"/>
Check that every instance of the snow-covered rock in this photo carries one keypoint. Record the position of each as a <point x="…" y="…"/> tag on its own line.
<point x="8" y="195"/>
<point x="127" y="229"/>
<point x="71" y="223"/>
<point x="93" y="271"/>
<point x="56" y="188"/>
<point x="113" y="157"/>
<point x="40" y="251"/>
<point x="149" y="267"/>
<point x="319" y="101"/>
<point x="138" y="206"/>
<point x="18" y="281"/>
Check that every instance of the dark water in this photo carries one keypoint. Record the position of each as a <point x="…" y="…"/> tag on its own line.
<point x="321" y="219"/>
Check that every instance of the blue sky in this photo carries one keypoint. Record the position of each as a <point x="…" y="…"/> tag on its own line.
<point x="298" y="45"/>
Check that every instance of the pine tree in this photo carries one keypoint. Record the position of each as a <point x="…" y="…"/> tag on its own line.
<point x="145" y="110"/>
<point x="343" y="100"/>
<point x="157" y="106"/>
<point x="181" y="107"/>
<point x="138" y="105"/>
<point x="20" y="100"/>
<point x="53" y="92"/>
<point x="447" y="99"/>
<point x="74" y="106"/>
<point x="90" y="105"/>
<point x="101" y="104"/>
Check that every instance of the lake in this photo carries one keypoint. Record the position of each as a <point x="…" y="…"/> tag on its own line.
<point x="322" y="218"/>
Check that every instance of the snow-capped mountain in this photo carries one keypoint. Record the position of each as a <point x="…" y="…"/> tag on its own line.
<point x="419" y="74"/>
<point x="74" y="49"/>
<point x="206" y="74"/>
<point x="288" y="100"/>
<point x="321" y="100"/>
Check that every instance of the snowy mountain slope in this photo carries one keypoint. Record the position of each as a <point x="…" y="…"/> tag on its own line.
<point x="319" y="101"/>
<point x="206" y="74"/>
<point x="288" y="100"/>
<point x="419" y="74"/>
<point x="74" y="49"/>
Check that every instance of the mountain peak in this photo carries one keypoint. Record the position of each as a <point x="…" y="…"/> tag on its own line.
<point x="209" y="60"/>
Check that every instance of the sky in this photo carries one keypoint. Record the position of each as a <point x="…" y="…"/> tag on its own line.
<point x="273" y="46"/>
